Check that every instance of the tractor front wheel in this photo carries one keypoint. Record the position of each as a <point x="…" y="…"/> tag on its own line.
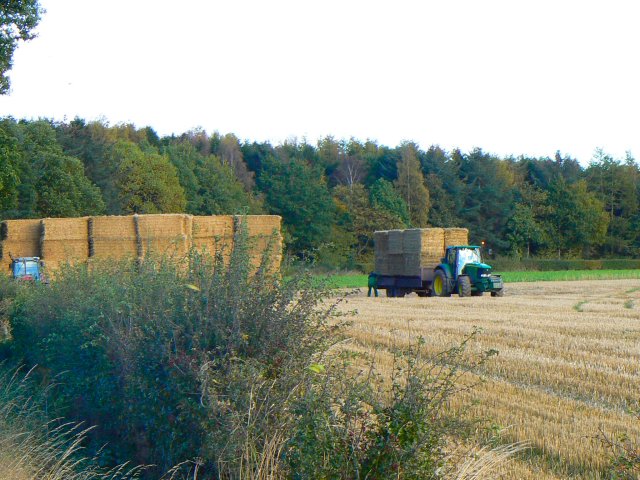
<point x="440" y="287"/>
<point x="498" y="293"/>
<point x="464" y="286"/>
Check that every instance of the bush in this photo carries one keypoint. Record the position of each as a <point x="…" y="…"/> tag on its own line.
<point x="225" y="371"/>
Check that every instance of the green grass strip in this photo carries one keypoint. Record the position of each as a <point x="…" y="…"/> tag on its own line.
<point x="360" y="281"/>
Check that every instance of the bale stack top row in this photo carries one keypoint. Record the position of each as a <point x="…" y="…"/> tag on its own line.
<point x="72" y="240"/>
<point x="406" y="252"/>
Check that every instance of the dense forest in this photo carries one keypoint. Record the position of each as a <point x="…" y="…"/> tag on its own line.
<point x="332" y="196"/>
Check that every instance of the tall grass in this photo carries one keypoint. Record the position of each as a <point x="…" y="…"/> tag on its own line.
<point x="32" y="447"/>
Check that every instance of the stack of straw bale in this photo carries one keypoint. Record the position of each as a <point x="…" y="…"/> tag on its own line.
<point x="64" y="240"/>
<point x="113" y="237"/>
<point x="71" y="240"/>
<point x="456" y="236"/>
<point x="213" y="235"/>
<point x="20" y="238"/>
<point x="264" y="236"/>
<point x="406" y="252"/>
<point x="164" y="234"/>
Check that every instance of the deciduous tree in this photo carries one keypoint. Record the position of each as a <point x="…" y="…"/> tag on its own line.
<point x="18" y="20"/>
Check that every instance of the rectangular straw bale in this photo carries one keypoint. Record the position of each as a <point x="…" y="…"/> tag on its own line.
<point x="213" y="234"/>
<point x="412" y="240"/>
<point x="456" y="236"/>
<point x="412" y="264"/>
<point x="20" y="230"/>
<point x="165" y="234"/>
<point x="396" y="263"/>
<point x="264" y="234"/>
<point x="395" y="242"/>
<point x="381" y="242"/>
<point x="64" y="240"/>
<point x="261" y="225"/>
<point x="432" y="242"/>
<point x="430" y="261"/>
<point x="114" y="237"/>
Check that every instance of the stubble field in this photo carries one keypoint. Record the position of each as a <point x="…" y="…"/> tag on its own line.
<point x="568" y="366"/>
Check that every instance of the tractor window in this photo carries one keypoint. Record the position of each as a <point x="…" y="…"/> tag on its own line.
<point x="21" y="269"/>
<point x="465" y="256"/>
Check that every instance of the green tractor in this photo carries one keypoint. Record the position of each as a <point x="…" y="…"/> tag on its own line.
<point x="463" y="272"/>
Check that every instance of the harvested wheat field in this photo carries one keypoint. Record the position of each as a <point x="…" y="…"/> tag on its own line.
<point x="568" y="364"/>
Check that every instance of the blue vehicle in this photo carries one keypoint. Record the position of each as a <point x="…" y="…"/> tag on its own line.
<point x="461" y="271"/>
<point x="27" y="269"/>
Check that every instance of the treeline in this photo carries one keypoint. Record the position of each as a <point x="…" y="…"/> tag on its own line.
<point x="332" y="196"/>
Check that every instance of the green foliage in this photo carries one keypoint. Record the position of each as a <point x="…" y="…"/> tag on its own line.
<point x="48" y="182"/>
<point x="411" y="187"/>
<point x="298" y="192"/>
<point x="577" y="220"/>
<point x="147" y="182"/>
<point x="385" y="199"/>
<point x="18" y="20"/>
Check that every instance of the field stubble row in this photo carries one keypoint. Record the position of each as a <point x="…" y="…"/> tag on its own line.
<point x="568" y="367"/>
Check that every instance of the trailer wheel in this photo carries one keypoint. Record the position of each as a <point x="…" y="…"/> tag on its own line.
<point x="464" y="286"/>
<point x="440" y="287"/>
<point x="391" y="292"/>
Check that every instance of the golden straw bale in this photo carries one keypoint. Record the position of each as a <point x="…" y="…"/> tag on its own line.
<point x="113" y="237"/>
<point x="456" y="236"/>
<point x="259" y="225"/>
<point x="213" y="234"/>
<point x="20" y="230"/>
<point x="264" y="234"/>
<point x="165" y="234"/>
<point x="64" y="240"/>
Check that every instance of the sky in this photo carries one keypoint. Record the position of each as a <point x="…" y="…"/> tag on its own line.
<point x="511" y="77"/>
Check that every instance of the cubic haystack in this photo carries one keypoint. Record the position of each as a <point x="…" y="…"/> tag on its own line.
<point x="422" y="247"/>
<point x="20" y="238"/>
<point x="213" y="234"/>
<point x="456" y="236"/>
<point x="264" y="238"/>
<point x="113" y="237"/>
<point x="165" y="234"/>
<point x="64" y="240"/>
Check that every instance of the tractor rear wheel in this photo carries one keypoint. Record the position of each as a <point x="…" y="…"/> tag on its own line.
<point x="440" y="287"/>
<point x="464" y="286"/>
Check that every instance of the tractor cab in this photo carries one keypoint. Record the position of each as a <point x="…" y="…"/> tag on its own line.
<point x="462" y="271"/>
<point x="27" y="269"/>
<point x="460" y="256"/>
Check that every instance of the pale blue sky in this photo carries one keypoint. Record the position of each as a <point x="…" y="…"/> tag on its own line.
<point x="511" y="77"/>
